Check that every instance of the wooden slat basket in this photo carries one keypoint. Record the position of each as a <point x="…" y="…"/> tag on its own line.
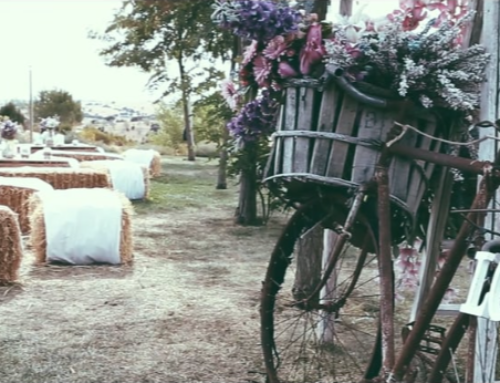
<point x="325" y="136"/>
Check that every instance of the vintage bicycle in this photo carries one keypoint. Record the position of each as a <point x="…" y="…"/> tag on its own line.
<point x="339" y="157"/>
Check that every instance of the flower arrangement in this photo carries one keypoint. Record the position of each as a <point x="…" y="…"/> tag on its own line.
<point x="50" y="122"/>
<point x="8" y="130"/>
<point x="429" y="66"/>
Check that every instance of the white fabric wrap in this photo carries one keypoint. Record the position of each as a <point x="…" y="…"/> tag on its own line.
<point x="126" y="177"/>
<point x="40" y="155"/>
<point x="83" y="226"/>
<point x="27" y="183"/>
<point x="141" y="157"/>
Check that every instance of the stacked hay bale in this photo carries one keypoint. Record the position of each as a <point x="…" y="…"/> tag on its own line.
<point x="10" y="246"/>
<point x="63" y="178"/>
<point x="118" y="170"/>
<point x="15" y="194"/>
<point x="67" y="201"/>
<point x="150" y="158"/>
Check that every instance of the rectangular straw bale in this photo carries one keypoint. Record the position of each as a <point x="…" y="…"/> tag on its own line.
<point x="63" y="178"/>
<point x="16" y="198"/>
<point x="38" y="237"/>
<point x="10" y="246"/>
<point x="99" y="165"/>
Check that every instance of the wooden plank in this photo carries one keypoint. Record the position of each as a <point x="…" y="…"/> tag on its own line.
<point x="305" y="109"/>
<point x="374" y="124"/>
<point x="486" y="334"/>
<point x="278" y="142"/>
<point x="290" y="124"/>
<point x="345" y="125"/>
<point x="417" y="185"/>
<point x="326" y="122"/>
<point x="400" y="170"/>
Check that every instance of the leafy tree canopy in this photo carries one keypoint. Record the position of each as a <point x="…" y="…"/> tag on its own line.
<point x="61" y="103"/>
<point x="13" y="112"/>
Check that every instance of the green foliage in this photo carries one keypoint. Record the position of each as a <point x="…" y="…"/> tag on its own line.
<point x="10" y="110"/>
<point x="61" y="103"/>
<point x="94" y="135"/>
<point x="171" y="127"/>
<point x="211" y="114"/>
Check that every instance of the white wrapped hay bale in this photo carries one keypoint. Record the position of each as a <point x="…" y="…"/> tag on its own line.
<point x="149" y="158"/>
<point x="127" y="177"/>
<point x="81" y="226"/>
<point x="10" y="245"/>
<point x="15" y="193"/>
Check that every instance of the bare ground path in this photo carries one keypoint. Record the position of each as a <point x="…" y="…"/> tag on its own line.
<point x="186" y="311"/>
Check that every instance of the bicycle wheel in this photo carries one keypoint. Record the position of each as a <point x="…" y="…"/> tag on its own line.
<point x="334" y="336"/>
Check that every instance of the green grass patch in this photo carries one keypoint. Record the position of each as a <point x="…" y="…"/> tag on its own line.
<point x="185" y="185"/>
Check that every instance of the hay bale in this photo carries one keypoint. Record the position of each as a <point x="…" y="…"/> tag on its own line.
<point x="15" y="193"/>
<point x="150" y="158"/>
<point x="38" y="236"/>
<point x="117" y="170"/>
<point x="63" y="178"/>
<point x="156" y="165"/>
<point x="10" y="246"/>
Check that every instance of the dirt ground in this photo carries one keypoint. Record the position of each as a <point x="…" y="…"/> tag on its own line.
<point x="186" y="311"/>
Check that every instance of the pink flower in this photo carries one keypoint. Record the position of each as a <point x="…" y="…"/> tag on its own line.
<point x="285" y="70"/>
<point x="249" y="52"/>
<point x="313" y="51"/>
<point x="230" y="93"/>
<point x="275" y="48"/>
<point x="261" y="69"/>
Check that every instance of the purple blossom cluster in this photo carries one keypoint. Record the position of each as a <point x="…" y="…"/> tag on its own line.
<point x="8" y="130"/>
<point x="256" y="119"/>
<point x="259" y="20"/>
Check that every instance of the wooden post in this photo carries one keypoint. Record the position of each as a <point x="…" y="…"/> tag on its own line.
<point x="486" y="335"/>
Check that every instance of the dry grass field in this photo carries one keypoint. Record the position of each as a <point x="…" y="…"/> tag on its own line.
<point x="186" y="311"/>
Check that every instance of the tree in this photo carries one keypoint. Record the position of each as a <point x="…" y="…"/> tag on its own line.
<point x="61" y="103"/>
<point x="10" y="110"/>
<point x="211" y="116"/>
<point x="171" y="122"/>
<point x="149" y="33"/>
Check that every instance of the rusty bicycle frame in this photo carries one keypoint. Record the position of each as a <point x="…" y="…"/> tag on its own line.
<point x="394" y="365"/>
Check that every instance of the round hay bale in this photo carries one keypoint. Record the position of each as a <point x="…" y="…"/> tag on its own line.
<point x="63" y="178"/>
<point x="108" y="167"/>
<point x="38" y="237"/>
<point x="156" y="165"/>
<point x="15" y="193"/>
<point x="10" y="246"/>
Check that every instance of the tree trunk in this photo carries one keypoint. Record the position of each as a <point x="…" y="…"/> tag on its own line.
<point x="223" y="158"/>
<point x="246" y="213"/>
<point x="186" y="108"/>
<point x="309" y="263"/>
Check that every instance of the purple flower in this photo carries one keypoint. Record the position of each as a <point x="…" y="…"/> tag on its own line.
<point x="256" y="119"/>
<point x="8" y="130"/>
<point x="259" y="20"/>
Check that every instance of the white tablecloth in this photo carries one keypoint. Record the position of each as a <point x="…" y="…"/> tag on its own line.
<point x="83" y="226"/>
<point x="27" y="183"/>
<point x="139" y="156"/>
<point x="127" y="177"/>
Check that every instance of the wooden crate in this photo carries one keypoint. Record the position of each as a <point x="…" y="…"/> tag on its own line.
<point x="325" y="136"/>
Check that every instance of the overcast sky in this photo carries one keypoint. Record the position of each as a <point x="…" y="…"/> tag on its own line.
<point x="51" y="37"/>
